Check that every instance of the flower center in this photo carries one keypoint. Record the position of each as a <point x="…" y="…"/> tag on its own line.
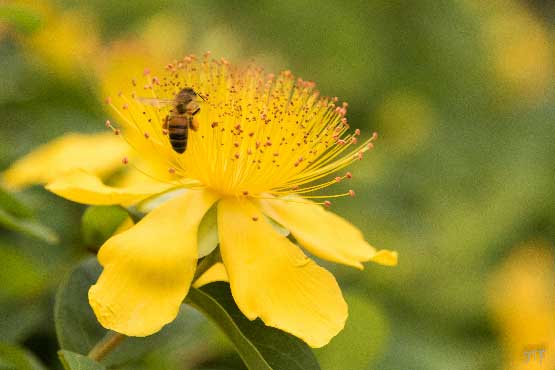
<point x="258" y="134"/>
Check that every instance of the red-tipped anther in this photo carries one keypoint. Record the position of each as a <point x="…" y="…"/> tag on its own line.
<point x="251" y="134"/>
<point x="147" y="135"/>
<point x="374" y="135"/>
<point x="349" y="175"/>
<point x="245" y="193"/>
<point x="327" y="203"/>
<point x="334" y="99"/>
<point x="236" y="155"/>
<point x="338" y="179"/>
<point x="236" y="144"/>
<point x="117" y="131"/>
<point x="359" y="155"/>
<point x="124" y="160"/>
<point x="354" y="140"/>
<point x="254" y="218"/>
<point x="171" y="170"/>
<point x="370" y="146"/>
<point x="268" y="143"/>
<point x="341" y="142"/>
<point x="214" y="124"/>
<point x="345" y="104"/>
<point x="108" y="100"/>
<point x="357" y="132"/>
<point x="344" y="120"/>
<point x="146" y="72"/>
<point x="352" y="193"/>
<point x="108" y="123"/>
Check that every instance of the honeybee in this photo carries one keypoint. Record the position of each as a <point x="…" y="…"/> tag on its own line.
<point x="181" y="116"/>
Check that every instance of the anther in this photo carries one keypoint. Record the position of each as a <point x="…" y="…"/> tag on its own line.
<point x="171" y="170"/>
<point x="237" y="155"/>
<point x="164" y="131"/>
<point x="147" y="135"/>
<point x="125" y="106"/>
<point x="236" y="144"/>
<point x="327" y="203"/>
<point x="108" y="123"/>
<point x="338" y="179"/>
<point x="117" y="131"/>
<point x="357" y="132"/>
<point x="254" y="218"/>
<point x="124" y="160"/>
<point x="245" y="193"/>
<point x="374" y="135"/>
<point x="349" y="175"/>
<point x="352" y="193"/>
<point x="370" y="146"/>
<point x="214" y="124"/>
<point x="108" y="100"/>
<point x="354" y="140"/>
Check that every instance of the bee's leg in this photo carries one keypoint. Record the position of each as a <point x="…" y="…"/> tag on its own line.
<point x="166" y="123"/>
<point x="194" y="123"/>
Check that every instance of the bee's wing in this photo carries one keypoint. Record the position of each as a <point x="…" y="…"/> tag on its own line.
<point x="156" y="102"/>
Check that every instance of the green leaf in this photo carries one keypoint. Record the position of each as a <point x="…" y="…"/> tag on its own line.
<point x="75" y="361"/>
<point x="208" y="232"/>
<point x="22" y="18"/>
<point x="78" y="330"/>
<point x="99" y="223"/>
<point x="17" y="216"/>
<point x="15" y="358"/>
<point x="28" y="227"/>
<point x="13" y="205"/>
<point x="261" y="347"/>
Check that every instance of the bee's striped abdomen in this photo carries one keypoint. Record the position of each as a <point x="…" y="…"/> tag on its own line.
<point x="178" y="129"/>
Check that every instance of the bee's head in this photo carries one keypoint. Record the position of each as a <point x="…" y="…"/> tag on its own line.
<point x="184" y="97"/>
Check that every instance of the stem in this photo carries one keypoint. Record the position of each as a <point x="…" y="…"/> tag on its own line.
<point x="106" y="345"/>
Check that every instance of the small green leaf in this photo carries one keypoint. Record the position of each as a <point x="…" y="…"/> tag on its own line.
<point x="28" y="227"/>
<point x="208" y="233"/>
<point x="15" y="358"/>
<point x="14" y="206"/>
<point x="75" y="361"/>
<point x="78" y="330"/>
<point x="22" y="18"/>
<point x="261" y="347"/>
<point x="99" y="223"/>
<point x="17" y="216"/>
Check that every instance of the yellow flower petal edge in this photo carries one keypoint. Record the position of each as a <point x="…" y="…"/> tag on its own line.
<point x="148" y="269"/>
<point x="324" y="233"/>
<point x="82" y="187"/>
<point x="99" y="154"/>
<point x="273" y="279"/>
<point x="214" y="273"/>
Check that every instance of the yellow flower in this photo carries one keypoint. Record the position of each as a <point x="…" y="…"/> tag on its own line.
<point x="522" y="300"/>
<point x="64" y="154"/>
<point x="264" y="146"/>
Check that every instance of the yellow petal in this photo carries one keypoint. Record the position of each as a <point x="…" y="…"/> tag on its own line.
<point x="214" y="273"/>
<point x="99" y="154"/>
<point x="148" y="268"/>
<point x="325" y="234"/>
<point x="82" y="187"/>
<point x="271" y="278"/>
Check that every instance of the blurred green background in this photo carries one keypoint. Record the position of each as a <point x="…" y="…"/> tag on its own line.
<point x="461" y="182"/>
